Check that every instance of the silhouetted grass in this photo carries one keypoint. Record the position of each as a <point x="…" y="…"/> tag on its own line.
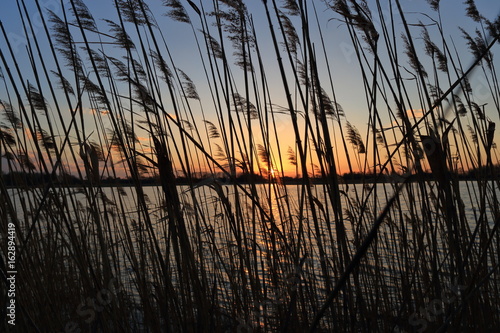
<point x="104" y="99"/>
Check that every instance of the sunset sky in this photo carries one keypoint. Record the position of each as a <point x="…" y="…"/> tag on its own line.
<point x="347" y="77"/>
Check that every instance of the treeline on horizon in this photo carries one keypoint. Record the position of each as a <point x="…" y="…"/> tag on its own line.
<point x="105" y="99"/>
<point x="21" y="179"/>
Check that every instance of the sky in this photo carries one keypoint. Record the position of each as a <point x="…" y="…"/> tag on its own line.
<point x="341" y="56"/>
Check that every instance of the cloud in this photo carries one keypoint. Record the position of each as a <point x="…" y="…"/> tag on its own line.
<point x="94" y="111"/>
<point x="415" y="113"/>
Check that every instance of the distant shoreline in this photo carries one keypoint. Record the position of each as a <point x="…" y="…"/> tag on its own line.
<point x="147" y="182"/>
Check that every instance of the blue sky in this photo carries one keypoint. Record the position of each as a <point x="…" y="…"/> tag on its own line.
<point x="341" y="57"/>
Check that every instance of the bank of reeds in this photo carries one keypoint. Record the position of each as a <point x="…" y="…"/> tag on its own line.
<point x="410" y="248"/>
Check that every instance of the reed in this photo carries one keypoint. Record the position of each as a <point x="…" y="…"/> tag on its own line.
<point x="93" y="112"/>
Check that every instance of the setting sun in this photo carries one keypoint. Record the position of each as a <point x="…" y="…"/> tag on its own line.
<point x="273" y="173"/>
<point x="237" y="165"/>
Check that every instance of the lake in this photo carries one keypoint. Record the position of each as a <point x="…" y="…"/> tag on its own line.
<point x="269" y="246"/>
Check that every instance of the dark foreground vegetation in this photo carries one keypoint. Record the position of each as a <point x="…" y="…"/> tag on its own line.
<point x="103" y="102"/>
<point x="21" y="179"/>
